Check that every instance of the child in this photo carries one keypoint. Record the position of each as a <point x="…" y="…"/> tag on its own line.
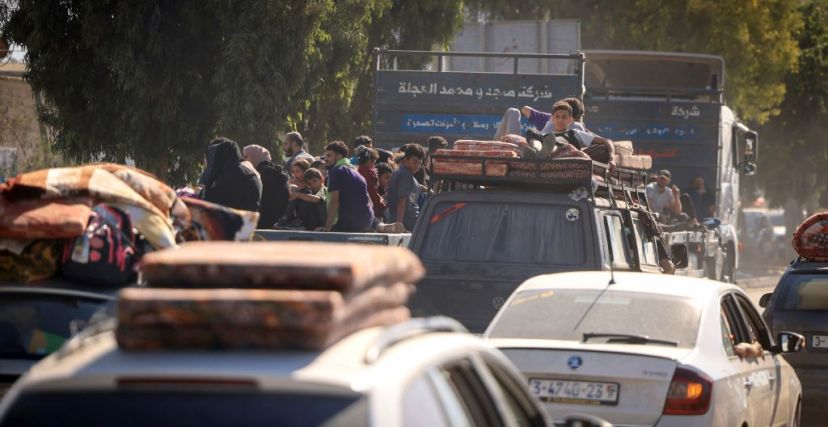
<point x="311" y="207"/>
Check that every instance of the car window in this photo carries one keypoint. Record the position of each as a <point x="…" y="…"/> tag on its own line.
<point x="756" y="328"/>
<point x="646" y="245"/>
<point x="805" y="292"/>
<point x="567" y="314"/>
<point x="34" y="325"/>
<point x="502" y="233"/>
<point x="728" y="330"/>
<point x="614" y="228"/>
<point x="422" y="405"/>
<point x="186" y="408"/>
<point x="471" y="390"/>
<point x="521" y="409"/>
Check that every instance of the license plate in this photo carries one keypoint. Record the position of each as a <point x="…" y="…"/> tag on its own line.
<point x="819" y="341"/>
<point x="582" y="392"/>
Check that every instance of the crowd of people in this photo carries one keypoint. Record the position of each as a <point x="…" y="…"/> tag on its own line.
<point x="359" y="189"/>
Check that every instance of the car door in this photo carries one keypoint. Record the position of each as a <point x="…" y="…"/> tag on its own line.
<point x="771" y="374"/>
<point x="757" y="375"/>
<point x="466" y="386"/>
<point x="518" y="408"/>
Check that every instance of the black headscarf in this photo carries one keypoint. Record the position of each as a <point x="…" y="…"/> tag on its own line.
<point x="227" y="154"/>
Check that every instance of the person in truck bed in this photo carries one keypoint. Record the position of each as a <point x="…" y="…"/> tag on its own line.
<point x="311" y="207"/>
<point x="404" y="189"/>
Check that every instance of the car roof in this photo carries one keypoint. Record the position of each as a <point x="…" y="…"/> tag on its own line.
<point x="668" y="285"/>
<point x="96" y="361"/>
<point x="803" y="265"/>
<point x="60" y="287"/>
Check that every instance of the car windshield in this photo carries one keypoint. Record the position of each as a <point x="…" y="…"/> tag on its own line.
<point x="806" y="292"/>
<point x="569" y="314"/>
<point x="33" y="325"/>
<point x="509" y="233"/>
<point x="185" y="408"/>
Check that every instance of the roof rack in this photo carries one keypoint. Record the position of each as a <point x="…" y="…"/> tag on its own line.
<point x="548" y="174"/>
<point x="408" y="330"/>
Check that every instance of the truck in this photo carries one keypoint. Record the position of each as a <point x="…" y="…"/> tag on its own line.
<point x="672" y="106"/>
<point x="474" y="264"/>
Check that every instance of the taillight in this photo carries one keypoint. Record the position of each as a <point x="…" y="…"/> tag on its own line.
<point x="689" y="393"/>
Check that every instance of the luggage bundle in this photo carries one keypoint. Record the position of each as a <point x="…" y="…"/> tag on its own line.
<point x="464" y="158"/>
<point x="811" y="238"/>
<point x="626" y="158"/>
<point x="264" y="295"/>
<point x="91" y="223"/>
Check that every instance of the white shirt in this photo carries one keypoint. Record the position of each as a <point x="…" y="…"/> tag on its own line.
<point x="659" y="200"/>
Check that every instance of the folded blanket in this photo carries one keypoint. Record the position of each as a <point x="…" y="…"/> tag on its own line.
<point x="44" y="218"/>
<point x="211" y="222"/>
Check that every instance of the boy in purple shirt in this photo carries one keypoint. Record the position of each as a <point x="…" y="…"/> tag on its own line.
<point x="348" y="201"/>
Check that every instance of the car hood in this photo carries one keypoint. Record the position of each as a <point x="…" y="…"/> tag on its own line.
<point x="653" y="350"/>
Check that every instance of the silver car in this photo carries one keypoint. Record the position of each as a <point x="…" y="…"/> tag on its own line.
<point x="648" y="349"/>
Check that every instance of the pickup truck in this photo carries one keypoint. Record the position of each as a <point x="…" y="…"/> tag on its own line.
<point x="486" y="235"/>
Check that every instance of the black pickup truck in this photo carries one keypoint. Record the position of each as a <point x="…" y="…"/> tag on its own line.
<point x="486" y="235"/>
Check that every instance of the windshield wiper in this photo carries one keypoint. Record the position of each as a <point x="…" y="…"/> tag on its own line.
<point x="627" y="339"/>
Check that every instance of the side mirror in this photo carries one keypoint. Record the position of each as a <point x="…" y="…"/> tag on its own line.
<point x="679" y="255"/>
<point x="789" y="342"/>
<point x="763" y="302"/>
<point x="584" y="420"/>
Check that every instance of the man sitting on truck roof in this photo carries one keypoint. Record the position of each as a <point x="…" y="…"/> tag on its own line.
<point x="348" y="201"/>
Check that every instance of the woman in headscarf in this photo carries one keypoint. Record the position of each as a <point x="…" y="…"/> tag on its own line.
<point x="231" y="181"/>
<point x="274" y="185"/>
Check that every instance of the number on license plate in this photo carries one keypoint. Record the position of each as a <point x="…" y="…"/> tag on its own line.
<point x="575" y="391"/>
<point x="819" y="341"/>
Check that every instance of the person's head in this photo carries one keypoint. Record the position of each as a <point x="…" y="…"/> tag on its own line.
<point x="664" y="178"/>
<point x="298" y="168"/>
<point x="256" y="154"/>
<point x="436" y="143"/>
<point x="294" y="143"/>
<point x="334" y="152"/>
<point x="363" y="140"/>
<point x="384" y="172"/>
<point x="577" y="109"/>
<point x="366" y="156"/>
<point x="561" y="116"/>
<point x="227" y="153"/>
<point x="314" y="179"/>
<point x="413" y="155"/>
<point x="652" y="177"/>
<point x="698" y="183"/>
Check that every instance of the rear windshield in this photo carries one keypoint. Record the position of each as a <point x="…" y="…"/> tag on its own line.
<point x="569" y="314"/>
<point x="176" y="409"/>
<point x="34" y="325"/>
<point x="506" y="233"/>
<point x="806" y="292"/>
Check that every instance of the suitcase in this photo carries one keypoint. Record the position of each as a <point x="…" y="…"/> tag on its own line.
<point x="344" y="268"/>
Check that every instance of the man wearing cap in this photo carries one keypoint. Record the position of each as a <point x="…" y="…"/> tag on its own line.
<point x="661" y="197"/>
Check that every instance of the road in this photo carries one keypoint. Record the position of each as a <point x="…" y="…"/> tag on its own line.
<point x="758" y="282"/>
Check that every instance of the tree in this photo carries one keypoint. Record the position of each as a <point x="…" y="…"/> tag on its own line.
<point x="153" y="81"/>
<point x="794" y="156"/>
<point x="754" y="37"/>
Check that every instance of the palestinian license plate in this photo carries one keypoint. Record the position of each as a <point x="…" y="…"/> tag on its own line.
<point x="582" y="392"/>
<point x="819" y="341"/>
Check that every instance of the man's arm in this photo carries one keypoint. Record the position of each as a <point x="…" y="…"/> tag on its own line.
<point x="310" y="198"/>
<point x="333" y="207"/>
<point x="676" y="206"/>
<point x="401" y="208"/>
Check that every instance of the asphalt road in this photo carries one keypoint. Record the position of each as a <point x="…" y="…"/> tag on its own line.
<point x="758" y="282"/>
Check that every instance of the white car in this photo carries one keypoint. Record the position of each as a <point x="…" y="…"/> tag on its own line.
<point x="425" y="372"/>
<point x="648" y="350"/>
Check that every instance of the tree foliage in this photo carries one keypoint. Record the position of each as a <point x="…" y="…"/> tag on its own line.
<point x="794" y="155"/>
<point x="754" y="37"/>
<point x="154" y="80"/>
